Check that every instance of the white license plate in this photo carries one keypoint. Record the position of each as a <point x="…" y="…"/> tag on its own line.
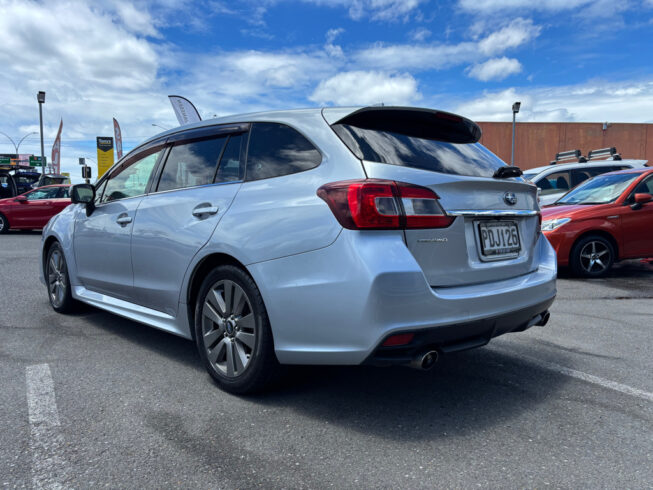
<point x="499" y="238"/>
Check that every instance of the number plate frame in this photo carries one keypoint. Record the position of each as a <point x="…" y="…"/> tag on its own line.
<point x="513" y="251"/>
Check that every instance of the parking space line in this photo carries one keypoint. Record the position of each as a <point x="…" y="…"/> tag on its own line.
<point x="589" y="378"/>
<point x="49" y="468"/>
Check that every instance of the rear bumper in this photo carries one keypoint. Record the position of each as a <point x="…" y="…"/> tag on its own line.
<point x="336" y="305"/>
<point x="455" y="338"/>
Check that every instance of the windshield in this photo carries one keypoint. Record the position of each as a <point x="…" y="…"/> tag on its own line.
<point x="428" y="154"/>
<point x="603" y="189"/>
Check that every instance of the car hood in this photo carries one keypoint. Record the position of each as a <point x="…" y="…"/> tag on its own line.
<point x="572" y="210"/>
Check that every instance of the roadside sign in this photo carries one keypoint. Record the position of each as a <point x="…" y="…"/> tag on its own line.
<point x="36" y="161"/>
<point x="5" y="161"/>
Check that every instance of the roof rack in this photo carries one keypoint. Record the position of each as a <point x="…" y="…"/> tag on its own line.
<point x="569" y="156"/>
<point x="609" y="154"/>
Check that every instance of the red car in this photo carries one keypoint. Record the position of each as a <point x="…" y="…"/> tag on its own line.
<point x="603" y="220"/>
<point x="33" y="209"/>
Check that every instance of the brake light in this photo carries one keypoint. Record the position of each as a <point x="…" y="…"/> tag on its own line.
<point x="374" y="204"/>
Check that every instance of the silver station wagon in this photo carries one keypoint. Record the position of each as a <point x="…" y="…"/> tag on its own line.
<point x="375" y="235"/>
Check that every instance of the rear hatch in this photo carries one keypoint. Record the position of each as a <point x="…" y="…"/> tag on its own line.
<point x="496" y="222"/>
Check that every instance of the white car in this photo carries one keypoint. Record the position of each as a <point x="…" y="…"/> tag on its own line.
<point x="554" y="181"/>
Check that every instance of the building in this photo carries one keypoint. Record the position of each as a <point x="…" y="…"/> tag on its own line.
<point x="536" y="143"/>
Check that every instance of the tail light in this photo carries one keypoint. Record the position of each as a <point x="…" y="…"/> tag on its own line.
<point x="373" y="204"/>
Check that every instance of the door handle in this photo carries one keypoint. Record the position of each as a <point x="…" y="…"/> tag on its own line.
<point x="124" y="220"/>
<point x="203" y="209"/>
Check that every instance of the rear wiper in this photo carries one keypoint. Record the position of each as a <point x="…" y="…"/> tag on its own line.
<point x="506" y="172"/>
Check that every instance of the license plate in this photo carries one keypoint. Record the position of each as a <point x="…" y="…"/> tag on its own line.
<point x="499" y="238"/>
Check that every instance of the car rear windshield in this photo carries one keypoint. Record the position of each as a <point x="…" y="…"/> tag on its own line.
<point x="471" y="159"/>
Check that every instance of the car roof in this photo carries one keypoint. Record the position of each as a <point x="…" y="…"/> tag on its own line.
<point x="574" y="165"/>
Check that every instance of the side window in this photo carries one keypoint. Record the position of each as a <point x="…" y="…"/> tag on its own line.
<point x="555" y="182"/>
<point x="275" y="150"/>
<point x="191" y="164"/>
<point x="99" y="190"/>
<point x="578" y="176"/>
<point x="644" y="187"/>
<point x="230" y="168"/>
<point x="50" y="193"/>
<point x="63" y="193"/>
<point x="130" y="181"/>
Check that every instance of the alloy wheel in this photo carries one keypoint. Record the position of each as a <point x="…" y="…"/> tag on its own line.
<point x="228" y="328"/>
<point x="595" y="257"/>
<point x="57" y="279"/>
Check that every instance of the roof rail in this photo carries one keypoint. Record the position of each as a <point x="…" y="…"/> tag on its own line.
<point x="609" y="153"/>
<point x="568" y="156"/>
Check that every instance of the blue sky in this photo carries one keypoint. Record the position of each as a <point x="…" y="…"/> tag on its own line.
<point x="566" y="60"/>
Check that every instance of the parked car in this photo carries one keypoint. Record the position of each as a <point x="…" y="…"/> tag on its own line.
<point x="603" y="220"/>
<point x="557" y="179"/>
<point x="25" y="180"/>
<point x="51" y="179"/>
<point x="379" y="235"/>
<point x="33" y="209"/>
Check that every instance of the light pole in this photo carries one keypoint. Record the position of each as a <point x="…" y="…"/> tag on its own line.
<point x="515" y="110"/>
<point x="159" y="126"/>
<point x="41" y="99"/>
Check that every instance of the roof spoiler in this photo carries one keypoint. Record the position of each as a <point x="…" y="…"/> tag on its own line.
<point x="415" y="122"/>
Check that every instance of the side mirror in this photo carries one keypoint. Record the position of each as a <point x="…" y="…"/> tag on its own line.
<point x="643" y="198"/>
<point x="21" y="199"/>
<point x="82" y="194"/>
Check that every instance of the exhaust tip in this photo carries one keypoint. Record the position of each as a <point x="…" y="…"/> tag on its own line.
<point x="425" y="360"/>
<point x="545" y="319"/>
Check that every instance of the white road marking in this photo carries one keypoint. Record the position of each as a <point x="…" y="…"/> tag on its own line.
<point x="49" y="468"/>
<point x="589" y="378"/>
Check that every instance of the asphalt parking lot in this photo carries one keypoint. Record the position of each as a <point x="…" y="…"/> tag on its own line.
<point x="93" y="400"/>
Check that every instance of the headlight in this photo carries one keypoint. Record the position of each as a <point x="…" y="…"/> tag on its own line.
<point x="552" y="224"/>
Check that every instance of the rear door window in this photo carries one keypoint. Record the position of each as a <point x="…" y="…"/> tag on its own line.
<point x="375" y="145"/>
<point x="191" y="164"/>
<point x="276" y="149"/>
<point x="231" y="168"/>
<point x="555" y="182"/>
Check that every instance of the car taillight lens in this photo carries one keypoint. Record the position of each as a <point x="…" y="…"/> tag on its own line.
<point x="373" y="204"/>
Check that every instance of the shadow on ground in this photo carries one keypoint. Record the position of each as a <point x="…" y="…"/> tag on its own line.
<point x="464" y="392"/>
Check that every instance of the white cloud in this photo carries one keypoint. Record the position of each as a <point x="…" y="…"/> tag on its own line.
<point x="332" y="34"/>
<point x="592" y="101"/>
<point x="498" y="5"/>
<point x="438" y="56"/>
<point x="422" y="33"/>
<point x="518" y="32"/>
<point x="377" y="10"/>
<point x="366" y="87"/>
<point x="494" y="69"/>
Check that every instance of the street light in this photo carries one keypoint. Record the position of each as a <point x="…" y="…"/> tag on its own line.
<point x="159" y="126"/>
<point x="40" y="97"/>
<point x="515" y="110"/>
<point x="16" y="146"/>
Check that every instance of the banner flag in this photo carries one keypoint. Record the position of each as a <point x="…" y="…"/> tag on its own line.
<point x="118" y="135"/>
<point x="184" y="110"/>
<point x="55" y="161"/>
<point x="104" y="154"/>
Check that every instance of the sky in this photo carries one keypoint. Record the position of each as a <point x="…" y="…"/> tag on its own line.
<point x="565" y="60"/>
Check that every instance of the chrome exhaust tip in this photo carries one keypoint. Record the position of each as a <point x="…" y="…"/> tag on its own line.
<point x="425" y="360"/>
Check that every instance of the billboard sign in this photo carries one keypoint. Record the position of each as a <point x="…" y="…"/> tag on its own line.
<point x="104" y="154"/>
<point x="36" y="161"/>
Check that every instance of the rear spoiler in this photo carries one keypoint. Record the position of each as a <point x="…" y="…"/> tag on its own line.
<point x="415" y="122"/>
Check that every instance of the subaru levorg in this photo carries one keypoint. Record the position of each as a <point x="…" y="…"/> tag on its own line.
<point x="375" y="235"/>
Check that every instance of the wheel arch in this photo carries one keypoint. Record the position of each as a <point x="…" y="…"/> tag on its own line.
<point x="201" y="270"/>
<point x="602" y="233"/>
<point x="46" y="248"/>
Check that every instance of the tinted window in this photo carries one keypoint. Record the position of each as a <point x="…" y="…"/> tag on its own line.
<point x="555" y="182"/>
<point x="64" y="193"/>
<point x="130" y="181"/>
<point x="49" y="193"/>
<point x="427" y="154"/>
<point x="191" y="164"/>
<point x="645" y="187"/>
<point x="230" y="168"/>
<point x="276" y="150"/>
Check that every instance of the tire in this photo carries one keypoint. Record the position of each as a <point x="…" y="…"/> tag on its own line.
<point x="58" y="281"/>
<point x="592" y="256"/>
<point x="4" y="224"/>
<point x="232" y="332"/>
